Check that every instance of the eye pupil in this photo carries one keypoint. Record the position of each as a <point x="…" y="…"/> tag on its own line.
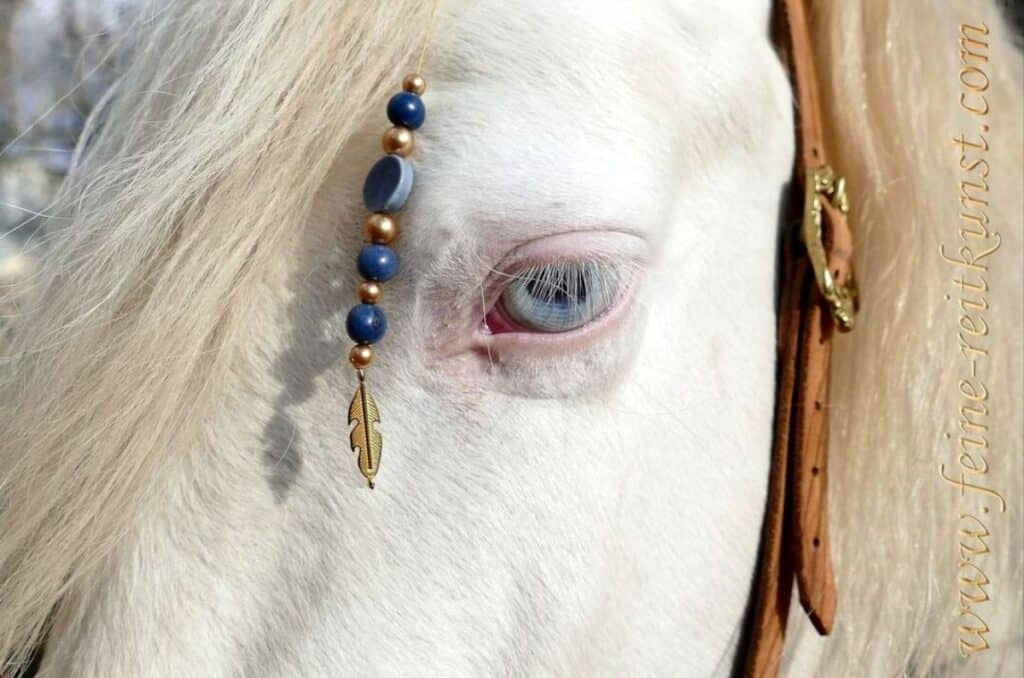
<point x="570" y="289"/>
<point x="531" y="286"/>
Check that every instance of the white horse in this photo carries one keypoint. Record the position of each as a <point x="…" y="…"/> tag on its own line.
<point x="179" y="498"/>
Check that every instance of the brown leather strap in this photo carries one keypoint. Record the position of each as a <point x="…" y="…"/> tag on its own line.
<point x="795" y="541"/>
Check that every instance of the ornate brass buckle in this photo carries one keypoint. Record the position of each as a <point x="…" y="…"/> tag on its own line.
<point x="823" y="184"/>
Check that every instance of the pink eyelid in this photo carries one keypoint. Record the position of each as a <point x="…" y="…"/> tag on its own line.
<point x="498" y="322"/>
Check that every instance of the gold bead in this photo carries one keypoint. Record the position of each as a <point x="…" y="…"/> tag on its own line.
<point x="360" y="356"/>
<point x="398" y="140"/>
<point x="414" y="83"/>
<point x="370" y="292"/>
<point x="380" y="229"/>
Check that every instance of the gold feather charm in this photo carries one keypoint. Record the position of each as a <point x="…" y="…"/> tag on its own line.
<point x="365" y="438"/>
<point x="385" y="191"/>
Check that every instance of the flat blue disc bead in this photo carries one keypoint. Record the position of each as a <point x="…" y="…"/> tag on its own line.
<point x="388" y="184"/>
<point x="377" y="262"/>
<point x="366" y="324"/>
<point x="406" y="109"/>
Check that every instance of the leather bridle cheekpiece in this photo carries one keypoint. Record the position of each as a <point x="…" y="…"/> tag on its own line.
<point x="818" y="296"/>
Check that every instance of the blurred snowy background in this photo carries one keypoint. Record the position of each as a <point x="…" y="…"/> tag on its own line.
<point x="57" y="58"/>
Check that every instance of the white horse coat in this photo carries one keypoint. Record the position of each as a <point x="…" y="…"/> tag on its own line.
<point x="580" y="505"/>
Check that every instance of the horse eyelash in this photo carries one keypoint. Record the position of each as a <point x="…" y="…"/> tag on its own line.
<point x="565" y="277"/>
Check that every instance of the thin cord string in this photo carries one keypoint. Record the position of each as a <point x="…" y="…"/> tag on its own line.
<point x="426" y="38"/>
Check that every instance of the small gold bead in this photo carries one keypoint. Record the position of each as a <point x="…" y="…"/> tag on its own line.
<point x="370" y="292"/>
<point x="360" y="356"/>
<point x="398" y="140"/>
<point x="414" y="83"/>
<point x="380" y="229"/>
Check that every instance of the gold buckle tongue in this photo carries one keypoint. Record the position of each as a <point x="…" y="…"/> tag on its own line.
<point x="823" y="184"/>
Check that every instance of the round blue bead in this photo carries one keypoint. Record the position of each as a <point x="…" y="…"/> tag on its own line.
<point x="366" y="324"/>
<point x="388" y="184"/>
<point x="406" y="109"/>
<point x="377" y="262"/>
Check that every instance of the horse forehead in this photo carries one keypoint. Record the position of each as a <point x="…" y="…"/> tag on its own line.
<point x="593" y="113"/>
<point x="584" y="46"/>
<point x="536" y="29"/>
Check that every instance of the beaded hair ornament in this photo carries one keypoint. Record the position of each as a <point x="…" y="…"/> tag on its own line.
<point x="385" y="193"/>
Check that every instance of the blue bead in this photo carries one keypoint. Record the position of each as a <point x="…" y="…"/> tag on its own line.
<point x="406" y="109"/>
<point x="388" y="184"/>
<point x="377" y="262"/>
<point x="366" y="324"/>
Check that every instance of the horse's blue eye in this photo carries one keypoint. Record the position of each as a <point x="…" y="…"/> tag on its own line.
<point x="562" y="296"/>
